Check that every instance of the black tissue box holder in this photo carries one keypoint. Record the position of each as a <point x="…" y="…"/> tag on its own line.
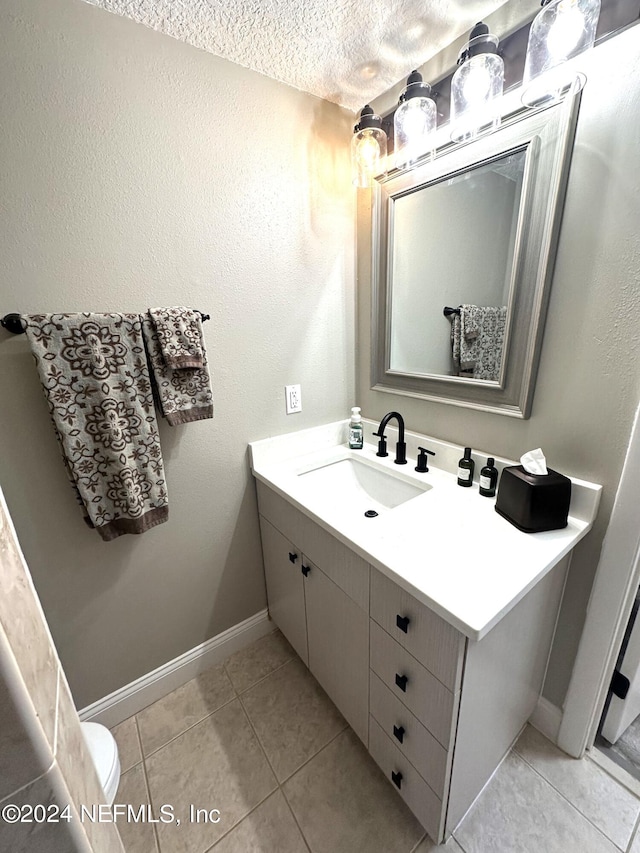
<point x="534" y="502"/>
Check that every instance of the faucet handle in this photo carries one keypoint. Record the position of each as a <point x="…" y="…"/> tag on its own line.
<point x="423" y="460"/>
<point x="382" y="444"/>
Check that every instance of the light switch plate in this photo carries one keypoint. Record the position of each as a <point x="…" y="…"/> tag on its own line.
<point x="293" y="396"/>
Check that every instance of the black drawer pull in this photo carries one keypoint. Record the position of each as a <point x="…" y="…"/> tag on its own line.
<point x="305" y="570"/>
<point x="401" y="682"/>
<point x="396" y="778"/>
<point x="402" y="622"/>
<point x="293" y="557"/>
<point x="398" y="733"/>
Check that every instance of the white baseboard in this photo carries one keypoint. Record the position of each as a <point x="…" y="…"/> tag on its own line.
<point x="546" y="718"/>
<point x="133" y="697"/>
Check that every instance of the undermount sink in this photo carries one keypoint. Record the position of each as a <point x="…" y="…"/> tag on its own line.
<point x="349" y="484"/>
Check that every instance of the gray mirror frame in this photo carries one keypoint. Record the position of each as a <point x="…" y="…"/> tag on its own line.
<point x="547" y="135"/>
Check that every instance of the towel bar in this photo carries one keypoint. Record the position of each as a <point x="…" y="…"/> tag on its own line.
<point x="13" y="323"/>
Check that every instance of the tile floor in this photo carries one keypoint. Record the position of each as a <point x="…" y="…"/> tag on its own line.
<point x="626" y="750"/>
<point x="257" y="739"/>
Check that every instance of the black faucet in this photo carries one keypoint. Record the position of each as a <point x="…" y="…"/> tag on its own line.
<point x="401" y="447"/>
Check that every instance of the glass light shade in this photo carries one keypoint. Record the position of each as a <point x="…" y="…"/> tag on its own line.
<point x="561" y="30"/>
<point x="476" y="90"/>
<point x="414" y="122"/>
<point x="368" y="155"/>
<point x="414" y="125"/>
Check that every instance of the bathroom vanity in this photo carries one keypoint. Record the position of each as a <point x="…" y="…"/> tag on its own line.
<point x="428" y="623"/>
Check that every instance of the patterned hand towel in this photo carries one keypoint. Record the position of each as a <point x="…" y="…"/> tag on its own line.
<point x="95" y="377"/>
<point x="477" y="340"/>
<point x="179" y="332"/>
<point x="183" y="394"/>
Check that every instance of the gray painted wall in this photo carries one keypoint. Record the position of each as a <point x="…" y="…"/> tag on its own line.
<point x="589" y="377"/>
<point x="138" y="172"/>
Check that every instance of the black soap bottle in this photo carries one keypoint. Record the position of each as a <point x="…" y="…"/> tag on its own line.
<point x="488" y="479"/>
<point x="465" y="469"/>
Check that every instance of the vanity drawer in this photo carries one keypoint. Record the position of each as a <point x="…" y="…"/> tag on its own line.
<point x="408" y="735"/>
<point x="435" y="643"/>
<point x="345" y="568"/>
<point x="426" y="697"/>
<point x="425" y="805"/>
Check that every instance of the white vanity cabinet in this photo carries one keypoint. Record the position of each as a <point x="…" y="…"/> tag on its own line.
<point x="436" y="710"/>
<point x="433" y="647"/>
<point x="306" y="573"/>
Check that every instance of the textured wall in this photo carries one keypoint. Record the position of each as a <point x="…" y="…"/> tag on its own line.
<point x="589" y="378"/>
<point x="139" y="171"/>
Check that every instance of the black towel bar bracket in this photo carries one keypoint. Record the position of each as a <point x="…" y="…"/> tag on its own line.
<point x="13" y="322"/>
<point x="449" y="311"/>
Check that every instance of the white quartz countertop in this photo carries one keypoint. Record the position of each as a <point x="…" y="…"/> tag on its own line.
<point x="447" y="546"/>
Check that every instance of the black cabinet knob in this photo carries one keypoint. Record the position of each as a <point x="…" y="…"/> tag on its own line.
<point x="402" y="622"/>
<point x="293" y="557"/>
<point x="396" y="778"/>
<point x="401" y="682"/>
<point x="398" y="733"/>
<point x="305" y="570"/>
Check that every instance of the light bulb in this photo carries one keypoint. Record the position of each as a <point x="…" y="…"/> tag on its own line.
<point x="368" y="150"/>
<point x="414" y="122"/>
<point x="560" y="31"/>
<point x="476" y="87"/>
<point x="477" y="84"/>
<point x="566" y="31"/>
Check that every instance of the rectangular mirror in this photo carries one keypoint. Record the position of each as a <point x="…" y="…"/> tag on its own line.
<point x="463" y="257"/>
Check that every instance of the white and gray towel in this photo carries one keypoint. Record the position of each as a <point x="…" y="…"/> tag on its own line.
<point x="93" y="369"/>
<point x="477" y="341"/>
<point x="178" y="364"/>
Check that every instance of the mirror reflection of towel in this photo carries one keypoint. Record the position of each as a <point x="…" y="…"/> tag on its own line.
<point x="477" y="341"/>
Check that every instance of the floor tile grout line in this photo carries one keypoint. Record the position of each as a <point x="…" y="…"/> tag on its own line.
<point x="423" y="838"/>
<point x="458" y="842"/>
<point x="307" y="843"/>
<point x="208" y="849"/>
<point x="242" y="819"/>
<point x="567" y="800"/>
<point x="147" y="785"/>
<point x="188" y="729"/>
<point x="634" y="834"/>
<point x="291" y="775"/>
<point x="278" y="783"/>
<point x="264" y="677"/>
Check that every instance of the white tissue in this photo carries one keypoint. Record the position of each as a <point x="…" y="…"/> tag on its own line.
<point x="534" y="462"/>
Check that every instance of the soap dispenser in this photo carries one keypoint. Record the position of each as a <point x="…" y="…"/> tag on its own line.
<point x="466" y="467"/>
<point x="356" y="433"/>
<point x="488" y="479"/>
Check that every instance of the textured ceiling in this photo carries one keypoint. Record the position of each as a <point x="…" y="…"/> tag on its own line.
<point x="346" y="51"/>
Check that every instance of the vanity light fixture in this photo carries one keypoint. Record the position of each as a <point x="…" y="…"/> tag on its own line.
<point x="561" y="30"/>
<point x="414" y="122"/>
<point x="476" y="87"/>
<point x="368" y="148"/>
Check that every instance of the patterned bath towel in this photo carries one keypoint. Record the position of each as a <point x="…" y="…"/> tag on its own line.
<point x="183" y="394"/>
<point x="477" y="341"/>
<point x="94" y="372"/>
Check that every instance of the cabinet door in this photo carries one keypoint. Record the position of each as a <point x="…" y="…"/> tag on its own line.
<point x="285" y="586"/>
<point x="339" y="647"/>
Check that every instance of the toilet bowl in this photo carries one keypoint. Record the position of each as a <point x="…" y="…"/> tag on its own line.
<point x="104" y="752"/>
